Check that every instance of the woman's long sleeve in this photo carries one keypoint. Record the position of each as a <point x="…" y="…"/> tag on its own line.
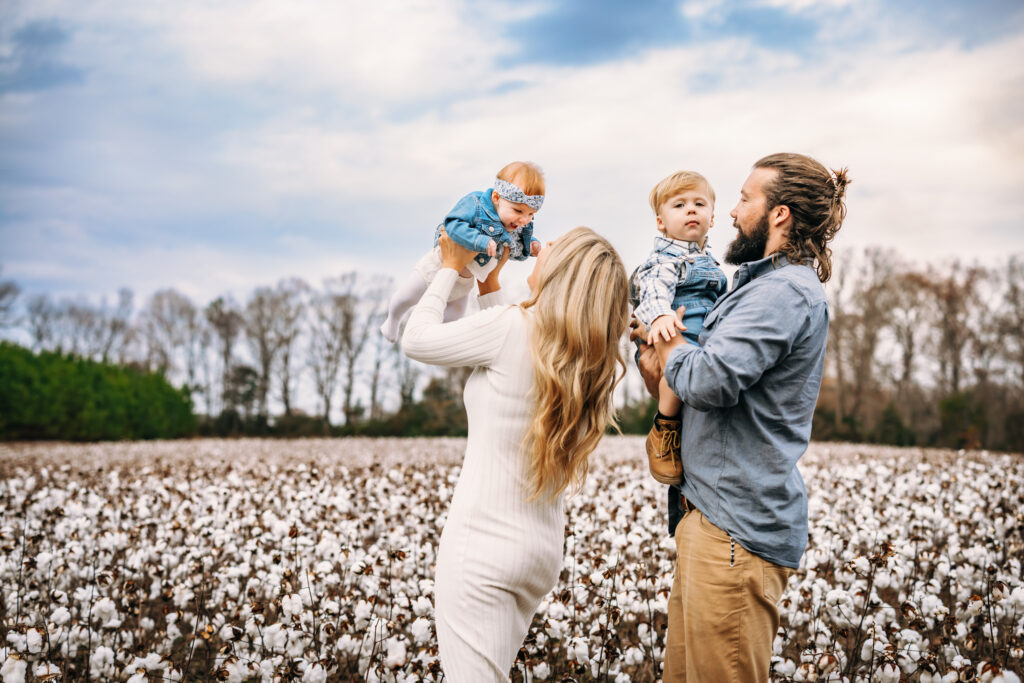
<point x="474" y="340"/>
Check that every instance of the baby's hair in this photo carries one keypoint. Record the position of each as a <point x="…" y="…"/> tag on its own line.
<point x="680" y="181"/>
<point x="525" y="175"/>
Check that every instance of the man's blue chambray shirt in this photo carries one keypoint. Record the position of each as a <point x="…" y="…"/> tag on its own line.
<point x="749" y="392"/>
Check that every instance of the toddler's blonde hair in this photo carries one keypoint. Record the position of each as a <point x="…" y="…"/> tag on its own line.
<point x="525" y="175"/>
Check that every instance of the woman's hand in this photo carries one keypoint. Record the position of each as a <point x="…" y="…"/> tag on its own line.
<point x="454" y="256"/>
<point x="491" y="284"/>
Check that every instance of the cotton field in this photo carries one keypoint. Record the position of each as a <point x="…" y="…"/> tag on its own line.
<point x="313" y="560"/>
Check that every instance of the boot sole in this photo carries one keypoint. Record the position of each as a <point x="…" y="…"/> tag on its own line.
<point x="663" y="479"/>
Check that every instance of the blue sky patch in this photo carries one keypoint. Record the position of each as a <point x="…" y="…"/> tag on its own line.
<point x="33" y="62"/>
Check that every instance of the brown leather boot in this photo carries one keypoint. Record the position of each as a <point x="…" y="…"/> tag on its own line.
<point x="663" y="450"/>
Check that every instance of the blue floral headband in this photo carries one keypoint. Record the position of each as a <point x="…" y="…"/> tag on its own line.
<point x="511" y="193"/>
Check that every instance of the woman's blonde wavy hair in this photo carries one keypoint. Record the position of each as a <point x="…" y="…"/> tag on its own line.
<point x="580" y="312"/>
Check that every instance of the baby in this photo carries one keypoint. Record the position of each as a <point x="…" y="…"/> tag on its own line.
<point x="485" y="222"/>
<point x="679" y="272"/>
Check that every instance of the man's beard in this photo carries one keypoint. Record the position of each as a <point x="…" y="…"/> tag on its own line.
<point x="747" y="248"/>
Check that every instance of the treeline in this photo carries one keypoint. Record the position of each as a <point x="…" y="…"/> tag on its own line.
<point x="236" y="360"/>
<point x="925" y="355"/>
<point x="50" y="395"/>
<point x="930" y="355"/>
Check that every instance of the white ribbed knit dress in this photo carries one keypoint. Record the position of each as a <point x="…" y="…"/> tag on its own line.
<point x="499" y="554"/>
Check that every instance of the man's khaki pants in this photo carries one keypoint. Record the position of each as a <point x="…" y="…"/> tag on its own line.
<point x="723" y="611"/>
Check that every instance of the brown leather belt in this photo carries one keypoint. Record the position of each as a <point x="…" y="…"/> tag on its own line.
<point x="685" y="504"/>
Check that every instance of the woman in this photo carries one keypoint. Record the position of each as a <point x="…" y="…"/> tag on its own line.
<point x="538" y="403"/>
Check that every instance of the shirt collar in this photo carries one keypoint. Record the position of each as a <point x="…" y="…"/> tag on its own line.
<point x="755" y="269"/>
<point x="662" y="243"/>
<point x="489" y="208"/>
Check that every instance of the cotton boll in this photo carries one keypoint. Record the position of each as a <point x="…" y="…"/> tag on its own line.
<point x="60" y="616"/>
<point x="541" y="671"/>
<point x="397" y="653"/>
<point x="422" y="606"/>
<point x="13" y="670"/>
<point x="787" y="667"/>
<point x="348" y="645"/>
<point x="291" y="605"/>
<point x="314" y="674"/>
<point x="45" y="670"/>
<point x="362" y="613"/>
<point x="102" y="662"/>
<point x="420" y="630"/>
<point x="34" y="641"/>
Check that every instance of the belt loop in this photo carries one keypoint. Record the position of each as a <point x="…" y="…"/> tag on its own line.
<point x="732" y="551"/>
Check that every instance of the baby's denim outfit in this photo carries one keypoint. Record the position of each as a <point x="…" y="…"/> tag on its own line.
<point x="677" y="274"/>
<point x="474" y="222"/>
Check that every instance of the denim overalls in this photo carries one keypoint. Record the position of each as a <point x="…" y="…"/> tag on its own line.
<point x="677" y="274"/>
<point x="701" y="283"/>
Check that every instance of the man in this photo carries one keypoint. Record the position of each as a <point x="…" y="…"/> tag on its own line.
<point x="749" y="392"/>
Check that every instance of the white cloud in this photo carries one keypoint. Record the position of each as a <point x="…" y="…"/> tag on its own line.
<point x="918" y="131"/>
<point x="933" y="137"/>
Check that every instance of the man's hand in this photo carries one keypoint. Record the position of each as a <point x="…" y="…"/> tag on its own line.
<point x="664" y="328"/>
<point x="646" y="357"/>
<point x="650" y="359"/>
<point x="664" y="347"/>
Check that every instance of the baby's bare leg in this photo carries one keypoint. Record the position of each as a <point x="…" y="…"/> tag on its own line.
<point x="669" y="404"/>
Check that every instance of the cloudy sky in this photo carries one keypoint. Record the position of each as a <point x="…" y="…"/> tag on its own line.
<point x="216" y="146"/>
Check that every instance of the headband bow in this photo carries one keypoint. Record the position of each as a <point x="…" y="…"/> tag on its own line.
<point x="512" y="193"/>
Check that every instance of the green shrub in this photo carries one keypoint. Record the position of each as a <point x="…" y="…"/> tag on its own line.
<point x="56" y="396"/>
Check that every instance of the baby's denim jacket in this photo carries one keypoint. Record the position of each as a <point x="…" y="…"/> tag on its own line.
<point x="474" y="222"/>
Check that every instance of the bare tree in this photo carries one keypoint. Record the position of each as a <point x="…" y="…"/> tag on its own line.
<point x="381" y="348"/>
<point x="169" y="324"/>
<point x="40" y="319"/>
<point x="260" y="313"/>
<point x="367" y="302"/>
<point x="872" y="297"/>
<point x="205" y="340"/>
<point x="116" y="325"/>
<point x="330" y="323"/>
<point x="9" y="291"/>
<point x="984" y="338"/>
<point x="408" y="374"/>
<point x="226" y="322"/>
<point x="907" y="320"/>
<point x="839" y="326"/>
<point x="953" y="293"/>
<point x="292" y="298"/>
<point x="1011" y="321"/>
<point x="82" y="327"/>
